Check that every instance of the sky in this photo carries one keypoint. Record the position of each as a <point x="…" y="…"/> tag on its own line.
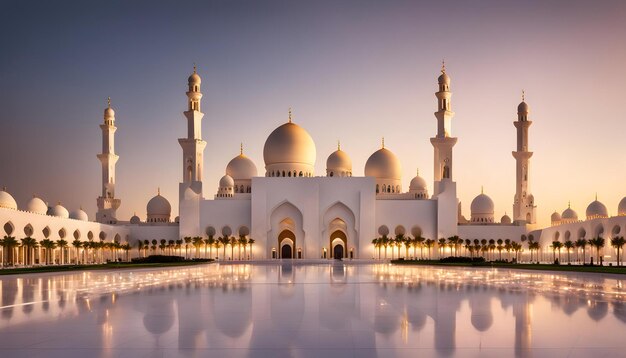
<point x="354" y="71"/>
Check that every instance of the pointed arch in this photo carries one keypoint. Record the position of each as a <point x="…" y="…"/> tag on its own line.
<point x="28" y="230"/>
<point x="9" y="228"/>
<point x="76" y="234"/>
<point x="286" y="216"/>
<point x="46" y="232"/>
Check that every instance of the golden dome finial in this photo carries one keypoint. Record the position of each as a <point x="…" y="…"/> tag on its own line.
<point x="383" y="142"/>
<point x="417" y="172"/>
<point x="109" y="102"/>
<point x="523" y="96"/>
<point x="569" y="204"/>
<point x="241" y="148"/>
<point x="338" y="144"/>
<point x="289" y="114"/>
<point x="443" y="66"/>
<point x="482" y="189"/>
<point x="194" y="68"/>
<point x="159" y="190"/>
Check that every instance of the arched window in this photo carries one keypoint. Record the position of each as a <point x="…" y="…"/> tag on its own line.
<point x="384" y="188"/>
<point x="289" y="174"/>
<point x="300" y="174"/>
<point x="241" y="189"/>
<point x="236" y="189"/>
<point x="377" y="189"/>
<point x="283" y="173"/>
<point x="294" y="173"/>
<point x="331" y="174"/>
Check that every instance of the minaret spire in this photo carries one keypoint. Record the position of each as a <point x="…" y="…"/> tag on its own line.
<point x="107" y="203"/>
<point x="241" y="148"/>
<point x="193" y="146"/>
<point x="443" y="142"/>
<point x="289" y="114"/>
<point x="523" y="203"/>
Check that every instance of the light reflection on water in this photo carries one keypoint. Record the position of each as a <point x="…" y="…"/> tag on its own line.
<point x="311" y="310"/>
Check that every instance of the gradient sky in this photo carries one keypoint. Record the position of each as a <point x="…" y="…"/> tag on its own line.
<point x="351" y="70"/>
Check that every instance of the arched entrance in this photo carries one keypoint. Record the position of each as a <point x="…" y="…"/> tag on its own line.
<point x="286" y="243"/>
<point x="338" y="251"/>
<point x="338" y="244"/>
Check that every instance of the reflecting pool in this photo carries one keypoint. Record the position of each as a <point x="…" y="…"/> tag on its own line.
<point x="312" y="310"/>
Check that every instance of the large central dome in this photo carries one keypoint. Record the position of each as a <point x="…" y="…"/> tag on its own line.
<point x="289" y="149"/>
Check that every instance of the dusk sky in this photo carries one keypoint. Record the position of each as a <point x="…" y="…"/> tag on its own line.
<point x="353" y="71"/>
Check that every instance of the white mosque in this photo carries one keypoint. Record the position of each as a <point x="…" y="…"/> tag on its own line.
<point x="292" y="212"/>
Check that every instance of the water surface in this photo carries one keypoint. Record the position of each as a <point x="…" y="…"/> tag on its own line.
<point x="315" y="310"/>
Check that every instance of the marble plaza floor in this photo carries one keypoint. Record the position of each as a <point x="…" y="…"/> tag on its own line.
<point x="312" y="310"/>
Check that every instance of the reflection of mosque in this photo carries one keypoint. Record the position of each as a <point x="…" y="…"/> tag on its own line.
<point x="297" y="307"/>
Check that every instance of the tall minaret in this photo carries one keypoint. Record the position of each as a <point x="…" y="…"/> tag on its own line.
<point x="523" y="204"/>
<point x="443" y="142"/>
<point x="107" y="203"/>
<point x="193" y="145"/>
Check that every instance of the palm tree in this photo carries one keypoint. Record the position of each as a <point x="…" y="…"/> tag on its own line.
<point x="618" y="242"/>
<point x="77" y="245"/>
<point x="384" y="240"/>
<point x="442" y="246"/>
<point x="598" y="243"/>
<point x="429" y="244"/>
<point x="582" y="243"/>
<point x="242" y="242"/>
<point x="407" y="245"/>
<point x="162" y="245"/>
<point x="48" y="245"/>
<point x="232" y="241"/>
<point x="224" y="240"/>
<point x="28" y="243"/>
<point x="507" y="248"/>
<point x="154" y="245"/>
<point x="250" y="242"/>
<point x="420" y="242"/>
<point x="197" y="243"/>
<point x="126" y="247"/>
<point x="9" y="243"/>
<point x="140" y="247"/>
<point x="187" y="240"/>
<point x="62" y="244"/>
<point x="210" y="242"/>
<point x="535" y="246"/>
<point x="568" y="246"/>
<point x="556" y="245"/>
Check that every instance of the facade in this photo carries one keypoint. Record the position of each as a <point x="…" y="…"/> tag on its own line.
<point x="290" y="212"/>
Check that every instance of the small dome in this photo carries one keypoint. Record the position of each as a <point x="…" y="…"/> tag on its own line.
<point x="159" y="206"/>
<point x="383" y="164"/>
<point x="79" y="215"/>
<point x="621" y="207"/>
<point x="505" y="219"/>
<point x="194" y="78"/>
<point x="241" y="168"/>
<point x="444" y="79"/>
<point x="555" y="217"/>
<point x="482" y="204"/>
<point x="135" y="219"/>
<point x="339" y="162"/>
<point x="37" y="206"/>
<point x="418" y="183"/>
<point x="569" y="214"/>
<point x="109" y="112"/>
<point x="59" y="211"/>
<point x="596" y="210"/>
<point x="289" y="144"/>
<point x="227" y="182"/>
<point x="523" y="108"/>
<point x="7" y="201"/>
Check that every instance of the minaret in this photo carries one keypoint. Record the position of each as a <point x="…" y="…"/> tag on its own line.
<point x="107" y="203"/>
<point x="193" y="145"/>
<point x="523" y="204"/>
<point x="443" y="142"/>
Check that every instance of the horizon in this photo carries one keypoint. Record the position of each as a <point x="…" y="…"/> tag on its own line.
<point x="353" y="75"/>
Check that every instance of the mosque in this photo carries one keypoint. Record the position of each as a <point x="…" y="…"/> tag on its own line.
<point x="294" y="213"/>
